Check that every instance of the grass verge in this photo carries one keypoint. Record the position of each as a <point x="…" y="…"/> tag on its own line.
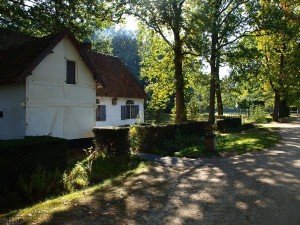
<point x="236" y="143"/>
<point x="41" y="212"/>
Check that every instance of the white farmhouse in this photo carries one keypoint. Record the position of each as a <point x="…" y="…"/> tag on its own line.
<point x="58" y="87"/>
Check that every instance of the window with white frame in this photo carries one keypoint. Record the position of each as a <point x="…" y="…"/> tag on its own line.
<point x="129" y="111"/>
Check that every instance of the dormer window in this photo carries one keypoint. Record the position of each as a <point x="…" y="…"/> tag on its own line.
<point x="71" y="72"/>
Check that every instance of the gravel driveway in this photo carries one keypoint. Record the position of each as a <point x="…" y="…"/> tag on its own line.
<point x="255" y="188"/>
<point x="261" y="188"/>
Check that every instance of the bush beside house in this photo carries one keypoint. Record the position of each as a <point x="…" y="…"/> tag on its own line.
<point x="31" y="169"/>
<point x="165" y="138"/>
<point x="229" y="124"/>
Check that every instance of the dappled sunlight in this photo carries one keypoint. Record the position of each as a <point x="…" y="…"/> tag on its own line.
<point x="268" y="181"/>
<point x="254" y="188"/>
<point x="296" y="163"/>
<point x="241" y="205"/>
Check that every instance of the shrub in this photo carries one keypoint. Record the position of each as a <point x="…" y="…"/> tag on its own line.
<point x="258" y="114"/>
<point x="112" y="141"/>
<point x="106" y="167"/>
<point x="77" y="179"/>
<point x="165" y="139"/>
<point x="30" y="169"/>
<point x="40" y="184"/>
<point x="96" y="168"/>
<point x="22" y="156"/>
<point x="229" y="124"/>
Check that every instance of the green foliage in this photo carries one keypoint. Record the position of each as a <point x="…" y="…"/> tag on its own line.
<point x="121" y="43"/>
<point x="157" y="69"/>
<point x="166" y="139"/>
<point x="106" y="168"/>
<point x="44" y="17"/>
<point x="112" y="141"/>
<point x="229" y="124"/>
<point x="40" y="184"/>
<point x="95" y="168"/>
<point x="158" y="117"/>
<point x="235" y="143"/>
<point x="247" y="141"/>
<point x="77" y="179"/>
<point x="24" y="182"/>
<point x="21" y="156"/>
<point x="182" y="141"/>
<point x="258" y="114"/>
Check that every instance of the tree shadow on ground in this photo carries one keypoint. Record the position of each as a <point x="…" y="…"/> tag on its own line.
<point x="256" y="188"/>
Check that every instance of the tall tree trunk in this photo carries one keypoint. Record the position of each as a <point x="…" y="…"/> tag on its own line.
<point x="284" y="109"/>
<point x="178" y="58"/>
<point x="218" y="87"/>
<point x="179" y="83"/>
<point x="276" y="106"/>
<point x="212" y="93"/>
<point x="213" y="65"/>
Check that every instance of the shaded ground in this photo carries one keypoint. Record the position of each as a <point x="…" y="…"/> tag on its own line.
<point x="256" y="188"/>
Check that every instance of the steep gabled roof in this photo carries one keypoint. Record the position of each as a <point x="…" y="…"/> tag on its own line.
<point x="20" y="54"/>
<point x="116" y="79"/>
<point x="18" y="60"/>
<point x="10" y="38"/>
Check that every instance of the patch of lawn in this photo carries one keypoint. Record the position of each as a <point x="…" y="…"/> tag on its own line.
<point x="248" y="141"/>
<point x="41" y="212"/>
<point x="236" y="143"/>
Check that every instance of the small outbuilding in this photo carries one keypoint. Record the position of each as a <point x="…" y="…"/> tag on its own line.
<point x="56" y="86"/>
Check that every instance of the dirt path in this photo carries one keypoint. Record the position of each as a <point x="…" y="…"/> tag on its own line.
<point x="256" y="188"/>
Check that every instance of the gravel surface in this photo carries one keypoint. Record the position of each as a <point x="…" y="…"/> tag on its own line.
<point x="261" y="188"/>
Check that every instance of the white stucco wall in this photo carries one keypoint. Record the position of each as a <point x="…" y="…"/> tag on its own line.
<point x="113" y="112"/>
<point x="54" y="107"/>
<point x="12" y="125"/>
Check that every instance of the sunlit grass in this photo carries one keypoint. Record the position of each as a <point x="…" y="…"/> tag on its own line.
<point x="236" y="143"/>
<point x="44" y="210"/>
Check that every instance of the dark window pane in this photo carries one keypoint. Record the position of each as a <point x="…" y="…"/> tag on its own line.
<point x="1" y="114"/>
<point x="70" y="72"/>
<point x="123" y="112"/>
<point x="101" y="113"/>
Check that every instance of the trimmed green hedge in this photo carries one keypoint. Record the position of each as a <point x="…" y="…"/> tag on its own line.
<point x="159" y="138"/>
<point x="228" y="124"/>
<point x="22" y="158"/>
<point x="112" y="141"/>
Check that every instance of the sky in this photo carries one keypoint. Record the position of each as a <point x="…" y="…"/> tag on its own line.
<point x="130" y="23"/>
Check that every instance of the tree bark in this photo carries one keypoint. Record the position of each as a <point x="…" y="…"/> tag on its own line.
<point x="284" y="109"/>
<point x="178" y="58"/>
<point x="276" y="106"/>
<point x="179" y="83"/>
<point x="218" y="87"/>
<point x="213" y="65"/>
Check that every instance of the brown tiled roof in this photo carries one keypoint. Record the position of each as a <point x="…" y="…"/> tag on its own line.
<point x="115" y="77"/>
<point x="20" y="54"/>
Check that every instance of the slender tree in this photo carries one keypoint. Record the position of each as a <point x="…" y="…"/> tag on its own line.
<point x="216" y="26"/>
<point x="165" y="17"/>
<point x="278" y="39"/>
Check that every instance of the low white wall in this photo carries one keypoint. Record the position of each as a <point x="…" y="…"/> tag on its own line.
<point x="12" y="125"/>
<point x="113" y="112"/>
